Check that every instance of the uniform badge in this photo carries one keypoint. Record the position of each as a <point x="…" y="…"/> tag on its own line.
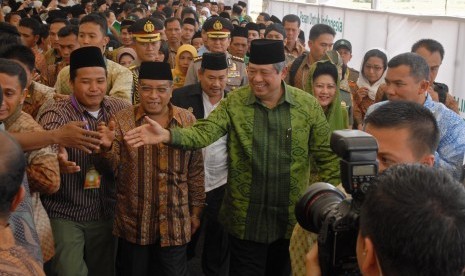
<point x="149" y="27"/>
<point x="217" y="26"/>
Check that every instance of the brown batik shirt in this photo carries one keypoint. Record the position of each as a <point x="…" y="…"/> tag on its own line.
<point x="157" y="185"/>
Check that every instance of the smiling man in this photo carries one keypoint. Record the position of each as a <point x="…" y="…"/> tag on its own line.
<point x="81" y="212"/>
<point x="273" y="128"/>
<point x="160" y="189"/>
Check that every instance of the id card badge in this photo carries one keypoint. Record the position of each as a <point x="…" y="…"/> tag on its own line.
<point x="92" y="179"/>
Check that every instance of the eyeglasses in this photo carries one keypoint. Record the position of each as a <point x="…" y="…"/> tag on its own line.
<point x="148" y="89"/>
<point x="373" y="67"/>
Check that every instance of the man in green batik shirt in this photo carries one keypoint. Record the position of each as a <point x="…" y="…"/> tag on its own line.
<point x="273" y="128"/>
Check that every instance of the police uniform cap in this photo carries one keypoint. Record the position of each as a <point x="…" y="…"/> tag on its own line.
<point x="240" y="32"/>
<point x="90" y="56"/>
<point x="146" y="30"/>
<point x="214" y="61"/>
<point x="266" y="51"/>
<point x="155" y="71"/>
<point x="343" y="43"/>
<point x="218" y="27"/>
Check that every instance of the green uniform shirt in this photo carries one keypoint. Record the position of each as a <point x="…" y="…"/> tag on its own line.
<point x="269" y="153"/>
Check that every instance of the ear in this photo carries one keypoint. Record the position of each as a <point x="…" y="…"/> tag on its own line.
<point x="424" y="85"/>
<point x="428" y="160"/>
<point x="106" y="39"/>
<point x="309" y="43"/>
<point x="369" y="264"/>
<point x="18" y="198"/>
<point x="24" y="95"/>
<point x="36" y="38"/>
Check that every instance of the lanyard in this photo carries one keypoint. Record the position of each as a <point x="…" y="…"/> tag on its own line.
<point x="75" y="105"/>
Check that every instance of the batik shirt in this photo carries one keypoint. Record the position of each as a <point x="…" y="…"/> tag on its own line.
<point x="269" y="153"/>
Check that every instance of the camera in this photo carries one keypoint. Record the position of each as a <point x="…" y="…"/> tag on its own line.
<point x="325" y="210"/>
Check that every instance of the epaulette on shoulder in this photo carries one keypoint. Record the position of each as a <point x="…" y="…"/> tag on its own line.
<point x="199" y="58"/>
<point x="237" y="58"/>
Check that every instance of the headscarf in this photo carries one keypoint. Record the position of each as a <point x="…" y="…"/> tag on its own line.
<point x="178" y="76"/>
<point x="125" y="51"/>
<point x="363" y="82"/>
<point x="336" y="115"/>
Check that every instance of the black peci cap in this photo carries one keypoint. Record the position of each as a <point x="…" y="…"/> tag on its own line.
<point x="239" y="31"/>
<point x="266" y="51"/>
<point x="214" y="61"/>
<point x="90" y="56"/>
<point x="155" y="71"/>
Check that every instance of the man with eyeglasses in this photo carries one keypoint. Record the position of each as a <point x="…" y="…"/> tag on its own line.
<point x="160" y="188"/>
<point x="147" y="41"/>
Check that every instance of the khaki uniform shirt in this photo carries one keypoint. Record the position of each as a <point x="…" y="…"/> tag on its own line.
<point x="237" y="74"/>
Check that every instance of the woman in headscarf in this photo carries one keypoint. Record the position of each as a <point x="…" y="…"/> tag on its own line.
<point x="184" y="57"/>
<point x="371" y="79"/>
<point x="323" y="84"/>
<point x="126" y="56"/>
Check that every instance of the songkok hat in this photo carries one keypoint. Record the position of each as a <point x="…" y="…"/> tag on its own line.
<point x="197" y="34"/>
<point x="277" y="27"/>
<point x="342" y="43"/>
<point x="218" y="27"/>
<point x="90" y="56"/>
<point x="214" y="61"/>
<point x="274" y="19"/>
<point x="146" y="30"/>
<point x="190" y="21"/>
<point x="252" y="27"/>
<point x="155" y="71"/>
<point x="239" y="31"/>
<point x="266" y="51"/>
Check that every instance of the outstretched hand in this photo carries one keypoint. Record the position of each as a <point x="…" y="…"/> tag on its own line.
<point x="147" y="134"/>
<point x="66" y="166"/>
<point x="107" y="133"/>
<point x="73" y="135"/>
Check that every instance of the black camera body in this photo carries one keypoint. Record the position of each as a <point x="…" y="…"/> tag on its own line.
<point x="325" y="210"/>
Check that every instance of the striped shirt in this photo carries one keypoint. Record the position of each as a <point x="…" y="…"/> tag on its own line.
<point x="72" y="201"/>
<point x="157" y="185"/>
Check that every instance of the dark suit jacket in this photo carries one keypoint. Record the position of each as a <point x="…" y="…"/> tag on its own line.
<point x="190" y="97"/>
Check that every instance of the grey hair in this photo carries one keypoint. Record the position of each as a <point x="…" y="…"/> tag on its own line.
<point x="279" y="66"/>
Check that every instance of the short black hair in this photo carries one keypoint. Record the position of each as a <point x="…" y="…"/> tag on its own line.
<point x="9" y="34"/>
<point x="374" y="53"/>
<point x="291" y="18"/>
<point x="12" y="68"/>
<point x="60" y="20"/>
<point x="97" y="19"/>
<point x="19" y="53"/>
<point x="172" y="19"/>
<point x="419" y="69"/>
<point x="265" y="15"/>
<point x="415" y="217"/>
<point x="12" y="169"/>
<point x="320" y="29"/>
<point x="165" y="49"/>
<point x="417" y="119"/>
<point x="189" y="10"/>
<point x="168" y="11"/>
<point x="430" y="45"/>
<point x="30" y="23"/>
<point x="68" y="30"/>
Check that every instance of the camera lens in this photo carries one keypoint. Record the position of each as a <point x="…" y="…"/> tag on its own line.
<point x="315" y="204"/>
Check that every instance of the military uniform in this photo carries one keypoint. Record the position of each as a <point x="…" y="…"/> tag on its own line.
<point x="143" y="31"/>
<point x="219" y="27"/>
<point x="237" y="74"/>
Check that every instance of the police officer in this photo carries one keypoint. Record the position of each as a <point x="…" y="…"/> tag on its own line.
<point x="218" y="39"/>
<point x="147" y="40"/>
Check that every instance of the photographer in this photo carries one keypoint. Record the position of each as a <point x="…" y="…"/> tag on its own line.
<point x="407" y="207"/>
<point x="406" y="132"/>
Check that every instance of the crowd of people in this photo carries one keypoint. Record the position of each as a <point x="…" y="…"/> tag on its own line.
<point x="131" y="128"/>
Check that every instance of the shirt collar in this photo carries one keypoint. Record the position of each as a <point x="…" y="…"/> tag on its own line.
<point x="428" y="102"/>
<point x="287" y="97"/>
<point x="80" y="108"/>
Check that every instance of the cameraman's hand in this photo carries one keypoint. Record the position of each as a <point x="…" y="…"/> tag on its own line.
<point x="312" y="263"/>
